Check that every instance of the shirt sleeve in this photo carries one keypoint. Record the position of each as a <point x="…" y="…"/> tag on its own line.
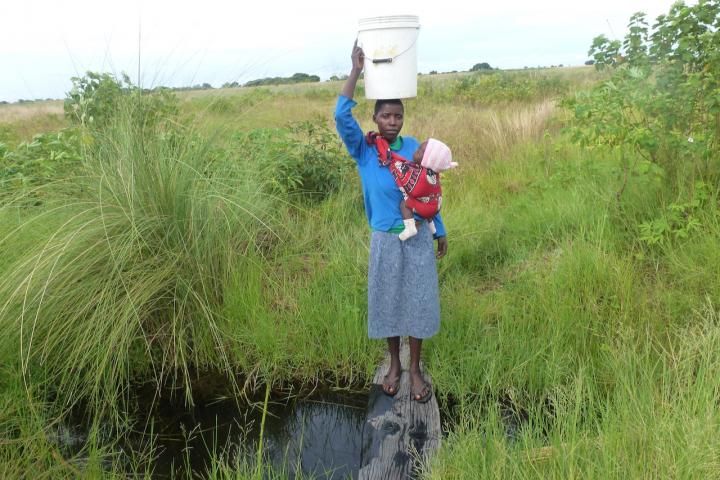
<point x="348" y="128"/>
<point x="439" y="227"/>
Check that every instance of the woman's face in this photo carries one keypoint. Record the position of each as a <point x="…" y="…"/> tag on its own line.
<point x="389" y="120"/>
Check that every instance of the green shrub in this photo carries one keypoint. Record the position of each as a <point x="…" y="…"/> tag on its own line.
<point x="306" y="158"/>
<point x="47" y="157"/>
<point x="95" y="99"/>
<point x="662" y="99"/>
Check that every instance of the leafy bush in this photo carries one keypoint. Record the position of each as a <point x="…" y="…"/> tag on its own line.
<point x="662" y="99"/>
<point x="678" y="221"/>
<point x="605" y="52"/>
<point x="306" y="157"/>
<point x="47" y="157"/>
<point x="158" y="106"/>
<point x="481" y="66"/>
<point x="94" y="100"/>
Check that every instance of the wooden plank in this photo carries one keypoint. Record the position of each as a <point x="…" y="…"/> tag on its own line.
<point x="399" y="433"/>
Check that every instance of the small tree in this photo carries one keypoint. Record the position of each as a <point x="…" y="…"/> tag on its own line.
<point x="93" y="98"/>
<point x="662" y="97"/>
<point x="605" y="52"/>
<point x="481" y="66"/>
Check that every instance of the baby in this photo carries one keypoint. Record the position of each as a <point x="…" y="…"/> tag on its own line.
<point x="420" y="183"/>
<point x="419" y="180"/>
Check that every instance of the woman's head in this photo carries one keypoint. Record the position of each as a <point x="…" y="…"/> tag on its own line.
<point x="389" y="118"/>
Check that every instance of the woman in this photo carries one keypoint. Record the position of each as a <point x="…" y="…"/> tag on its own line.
<point x="402" y="277"/>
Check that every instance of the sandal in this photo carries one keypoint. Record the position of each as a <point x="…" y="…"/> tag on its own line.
<point x="424" y="399"/>
<point x="390" y="389"/>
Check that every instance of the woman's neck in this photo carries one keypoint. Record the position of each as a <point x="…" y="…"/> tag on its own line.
<point x="397" y="144"/>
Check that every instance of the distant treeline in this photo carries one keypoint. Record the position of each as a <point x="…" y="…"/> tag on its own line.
<point x="296" y="78"/>
<point x="204" y="86"/>
<point x="23" y="100"/>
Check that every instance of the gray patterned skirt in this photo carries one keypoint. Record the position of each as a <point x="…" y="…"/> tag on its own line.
<point x="403" y="297"/>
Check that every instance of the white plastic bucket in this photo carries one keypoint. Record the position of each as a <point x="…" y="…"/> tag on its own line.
<point x="390" y="46"/>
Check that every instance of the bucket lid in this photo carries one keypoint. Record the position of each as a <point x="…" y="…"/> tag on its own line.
<point x="390" y="21"/>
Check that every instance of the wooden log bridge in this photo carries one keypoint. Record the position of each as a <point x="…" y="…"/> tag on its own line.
<point x="399" y="433"/>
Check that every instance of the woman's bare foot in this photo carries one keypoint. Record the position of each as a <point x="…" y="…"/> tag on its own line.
<point x="420" y="390"/>
<point x="391" y="382"/>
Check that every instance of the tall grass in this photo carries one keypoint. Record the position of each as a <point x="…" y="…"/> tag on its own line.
<point x="129" y="279"/>
<point x="660" y="421"/>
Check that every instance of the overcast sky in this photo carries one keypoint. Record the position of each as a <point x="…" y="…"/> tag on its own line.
<point x="43" y="43"/>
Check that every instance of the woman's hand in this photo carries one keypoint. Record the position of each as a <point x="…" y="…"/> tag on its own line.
<point x="442" y="247"/>
<point x="358" y="58"/>
<point x="358" y="62"/>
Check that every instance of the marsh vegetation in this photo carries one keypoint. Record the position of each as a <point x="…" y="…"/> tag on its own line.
<point x="185" y="236"/>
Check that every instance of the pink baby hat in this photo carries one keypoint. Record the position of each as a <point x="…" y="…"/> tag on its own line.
<point x="437" y="156"/>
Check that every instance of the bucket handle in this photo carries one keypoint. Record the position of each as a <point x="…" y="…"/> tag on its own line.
<point x="389" y="59"/>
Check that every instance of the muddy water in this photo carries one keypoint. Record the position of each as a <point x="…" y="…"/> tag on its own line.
<point x="318" y="435"/>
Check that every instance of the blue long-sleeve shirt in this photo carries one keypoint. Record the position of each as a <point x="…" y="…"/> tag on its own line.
<point x="380" y="192"/>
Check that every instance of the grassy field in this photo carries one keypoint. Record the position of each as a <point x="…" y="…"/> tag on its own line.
<point x="19" y="122"/>
<point x="172" y="255"/>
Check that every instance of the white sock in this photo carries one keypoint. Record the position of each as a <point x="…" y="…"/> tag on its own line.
<point x="410" y="230"/>
<point x="431" y="224"/>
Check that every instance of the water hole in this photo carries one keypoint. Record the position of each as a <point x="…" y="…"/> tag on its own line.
<point x="319" y="435"/>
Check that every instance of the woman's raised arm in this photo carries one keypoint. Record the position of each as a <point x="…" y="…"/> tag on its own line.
<point x="358" y="63"/>
<point x="346" y="125"/>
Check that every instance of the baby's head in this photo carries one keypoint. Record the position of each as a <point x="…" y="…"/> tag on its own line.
<point x="435" y="155"/>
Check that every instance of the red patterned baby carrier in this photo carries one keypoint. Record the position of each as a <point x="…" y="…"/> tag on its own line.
<point x="420" y="185"/>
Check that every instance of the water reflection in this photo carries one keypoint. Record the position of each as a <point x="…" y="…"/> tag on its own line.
<point x="320" y="435"/>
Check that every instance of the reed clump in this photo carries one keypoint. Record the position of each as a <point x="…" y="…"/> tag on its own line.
<point x="127" y="280"/>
